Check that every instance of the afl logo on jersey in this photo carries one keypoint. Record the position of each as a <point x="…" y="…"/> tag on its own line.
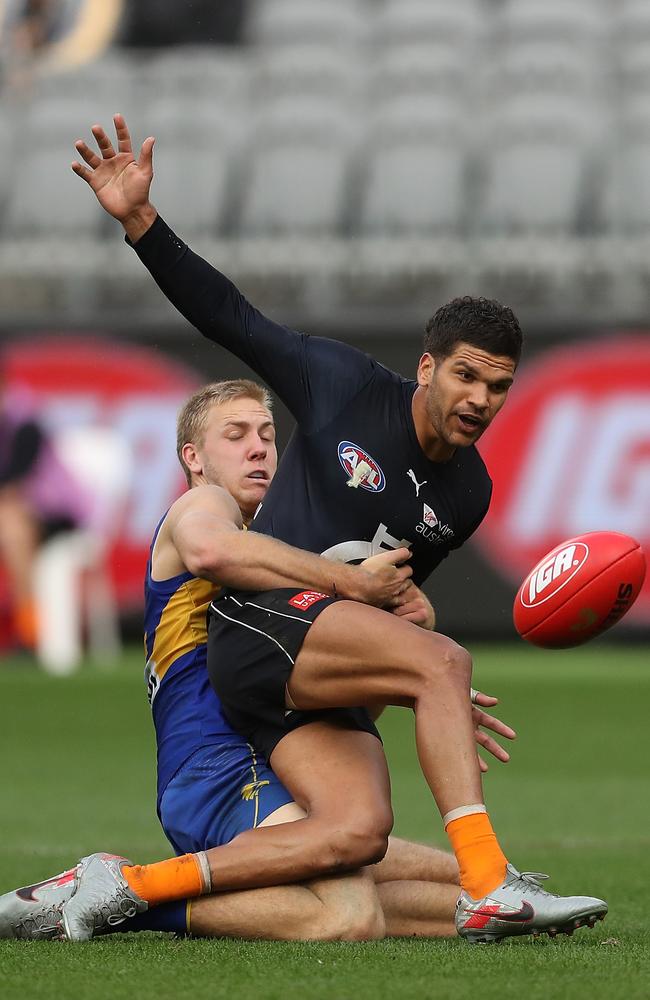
<point x="361" y="468"/>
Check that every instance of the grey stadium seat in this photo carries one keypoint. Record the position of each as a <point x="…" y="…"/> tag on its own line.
<point x="544" y="67"/>
<point x="403" y="21"/>
<point x="632" y="21"/>
<point x="634" y="67"/>
<point x="298" y="169"/>
<point x="196" y="149"/>
<point x="537" y="170"/>
<point x="281" y="22"/>
<point x="209" y="72"/>
<point x="326" y="70"/>
<point x="112" y="83"/>
<point x="627" y="201"/>
<point x="8" y="160"/>
<point x="579" y="21"/>
<point x="429" y="66"/>
<point x="415" y="171"/>
<point x="47" y="198"/>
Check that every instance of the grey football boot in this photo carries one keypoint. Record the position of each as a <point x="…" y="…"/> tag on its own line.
<point x="102" y="898"/>
<point x="521" y="906"/>
<point x="33" y="913"/>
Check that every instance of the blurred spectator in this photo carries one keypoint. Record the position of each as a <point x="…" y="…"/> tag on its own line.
<point x="38" y="499"/>
<point x="150" y="24"/>
<point x="28" y="27"/>
<point x="50" y="35"/>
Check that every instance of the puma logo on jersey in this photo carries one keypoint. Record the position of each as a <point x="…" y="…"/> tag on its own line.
<point x="417" y="485"/>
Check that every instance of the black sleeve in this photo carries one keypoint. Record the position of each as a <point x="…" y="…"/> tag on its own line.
<point x="23" y="453"/>
<point x="313" y="376"/>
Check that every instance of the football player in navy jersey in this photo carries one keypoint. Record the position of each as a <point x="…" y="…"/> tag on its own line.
<point x="212" y="786"/>
<point x="376" y="461"/>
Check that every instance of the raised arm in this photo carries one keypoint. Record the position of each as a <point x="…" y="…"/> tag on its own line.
<point x="203" y="528"/>
<point x="292" y="364"/>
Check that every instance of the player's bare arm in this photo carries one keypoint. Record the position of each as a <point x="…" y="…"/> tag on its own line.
<point x="120" y="181"/>
<point x="203" y="530"/>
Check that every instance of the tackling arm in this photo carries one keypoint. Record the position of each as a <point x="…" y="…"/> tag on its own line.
<point x="205" y="531"/>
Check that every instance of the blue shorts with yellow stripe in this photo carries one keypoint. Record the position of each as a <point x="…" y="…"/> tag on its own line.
<point x="219" y="791"/>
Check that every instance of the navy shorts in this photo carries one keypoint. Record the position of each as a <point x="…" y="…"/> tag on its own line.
<point x="219" y="791"/>
<point x="253" y="642"/>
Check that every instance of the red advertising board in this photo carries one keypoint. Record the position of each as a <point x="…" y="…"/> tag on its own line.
<point x="570" y="453"/>
<point x="134" y="390"/>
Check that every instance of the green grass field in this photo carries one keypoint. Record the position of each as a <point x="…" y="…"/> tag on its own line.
<point x="78" y="776"/>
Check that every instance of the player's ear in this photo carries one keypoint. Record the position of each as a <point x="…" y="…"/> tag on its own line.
<point x="426" y="367"/>
<point x="191" y="458"/>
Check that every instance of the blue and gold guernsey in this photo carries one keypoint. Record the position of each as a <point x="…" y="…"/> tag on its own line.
<point x="186" y="712"/>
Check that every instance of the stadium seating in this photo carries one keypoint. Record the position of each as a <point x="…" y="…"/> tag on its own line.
<point x="297" y="167"/>
<point x="415" y="168"/>
<point x="286" y="22"/>
<point x="404" y="21"/>
<point x="633" y="21"/>
<point x="542" y="68"/>
<point x="578" y="21"/>
<point x="315" y="69"/>
<point x="428" y="119"/>
<point x="537" y="171"/>
<point x="211" y="73"/>
<point x="627" y="195"/>
<point x="417" y="68"/>
<point x="112" y="82"/>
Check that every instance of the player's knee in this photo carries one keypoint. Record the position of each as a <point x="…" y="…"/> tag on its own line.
<point x="365" y="923"/>
<point x="364" y="839"/>
<point x="451" y="662"/>
<point x="352" y="910"/>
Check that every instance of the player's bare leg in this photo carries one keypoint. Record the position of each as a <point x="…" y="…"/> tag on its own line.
<point x="345" y="791"/>
<point x="353" y="654"/>
<point x="345" y="908"/>
<point x="411" y="861"/>
<point x="418" y="909"/>
<point x="340" y="778"/>
<point x="417" y="890"/>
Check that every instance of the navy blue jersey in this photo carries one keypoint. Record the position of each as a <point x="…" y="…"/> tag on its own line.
<point x="353" y="479"/>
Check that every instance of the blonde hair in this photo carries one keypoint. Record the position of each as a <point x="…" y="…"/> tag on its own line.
<point x="193" y="418"/>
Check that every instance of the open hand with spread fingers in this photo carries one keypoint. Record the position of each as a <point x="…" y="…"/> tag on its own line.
<point x="483" y="719"/>
<point x="120" y="182"/>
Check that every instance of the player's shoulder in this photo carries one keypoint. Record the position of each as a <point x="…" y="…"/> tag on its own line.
<point x="471" y="466"/>
<point x="207" y="497"/>
<point x="475" y="460"/>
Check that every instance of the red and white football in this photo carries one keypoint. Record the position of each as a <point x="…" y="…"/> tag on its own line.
<point x="579" y="589"/>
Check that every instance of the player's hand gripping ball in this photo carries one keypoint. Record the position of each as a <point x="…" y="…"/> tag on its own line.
<point x="579" y="589"/>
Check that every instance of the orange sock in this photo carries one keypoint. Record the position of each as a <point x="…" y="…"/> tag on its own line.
<point x="481" y="861"/>
<point x="164" y="881"/>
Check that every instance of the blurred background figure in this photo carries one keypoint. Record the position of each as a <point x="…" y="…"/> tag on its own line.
<point x="39" y="36"/>
<point x="28" y="27"/>
<point x="39" y="500"/>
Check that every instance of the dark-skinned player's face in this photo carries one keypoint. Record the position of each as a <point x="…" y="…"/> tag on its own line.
<point x="464" y="392"/>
